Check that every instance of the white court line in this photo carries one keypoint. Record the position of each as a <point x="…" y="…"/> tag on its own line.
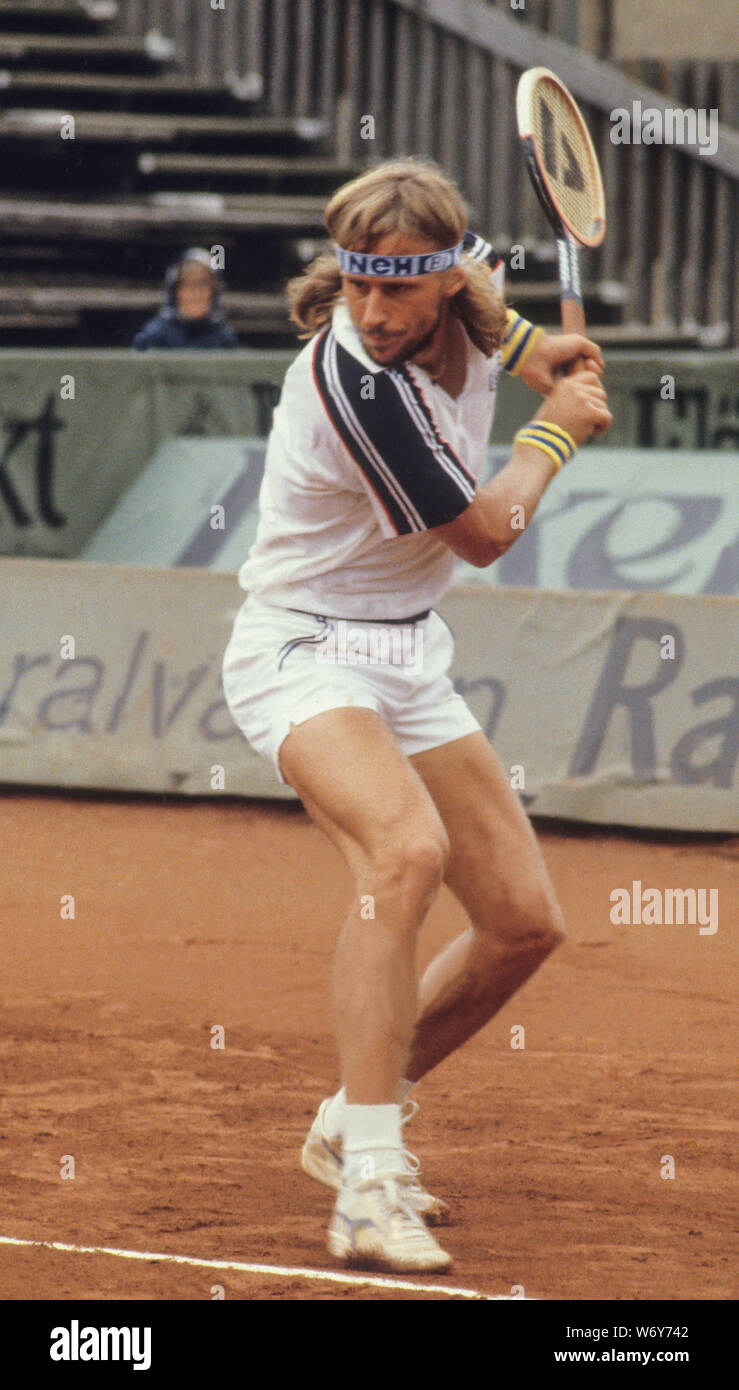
<point x="279" y="1271"/>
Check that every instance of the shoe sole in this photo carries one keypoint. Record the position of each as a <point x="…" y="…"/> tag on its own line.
<point x="342" y="1250"/>
<point x="326" y="1172"/>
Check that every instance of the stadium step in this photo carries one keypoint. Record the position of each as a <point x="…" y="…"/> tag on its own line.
<point x="99" y="52"/>
<point x="610" y="292"/>
<point x="27" y="329"/>
<point x="176" y="213"/>
<point x="98" y="298"/>
<point x="249" y="171"/>
<point x="667" y="336"/>
<point x="54" y="16"/>
<point x="112" y="313"/>
<point x="97" y="155"/>
<point x="76" y="92"/>
<point x="259" y="133"/>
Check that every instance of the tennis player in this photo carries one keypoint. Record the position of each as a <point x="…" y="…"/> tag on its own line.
<point x="369" y="494"/>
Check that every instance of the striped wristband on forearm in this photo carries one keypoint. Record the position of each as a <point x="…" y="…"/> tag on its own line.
<point x="553" y="441"/>
<point x="519" y="340"/>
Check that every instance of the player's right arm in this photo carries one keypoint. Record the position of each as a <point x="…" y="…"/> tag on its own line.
<point x="493" y="520"/>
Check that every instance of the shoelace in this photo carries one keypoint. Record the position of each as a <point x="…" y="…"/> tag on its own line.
<point x="390" y="1197"/>
<point x="408" y="1109"/>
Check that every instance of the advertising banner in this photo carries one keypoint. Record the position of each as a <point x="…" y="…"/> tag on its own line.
<point x="77" y="427"/>
<point x="616" y="708"/>
<point x="612" y="519"/>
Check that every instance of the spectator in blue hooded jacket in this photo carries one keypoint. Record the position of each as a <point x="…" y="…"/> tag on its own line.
<point x="191" y="315"/>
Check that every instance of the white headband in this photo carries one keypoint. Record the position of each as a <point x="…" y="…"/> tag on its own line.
<point x="367" y="263"/>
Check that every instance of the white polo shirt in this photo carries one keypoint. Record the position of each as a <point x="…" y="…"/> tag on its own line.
<point x="361" y="462"/>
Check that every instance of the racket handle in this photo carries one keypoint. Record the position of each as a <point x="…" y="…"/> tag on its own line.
<point x="573" y="314"/>
<point x="573" y="321"/>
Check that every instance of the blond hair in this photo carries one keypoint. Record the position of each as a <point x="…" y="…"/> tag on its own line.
<point x="405" y="195"/>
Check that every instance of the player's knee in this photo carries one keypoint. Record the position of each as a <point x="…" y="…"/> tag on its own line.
<point x="421" y="859"/>
<point x="535" y="921"/>
<point x="411" y="868"/>
<point x="551" y="932"/>
<point x="545" y="923"/>
<point x="426" y="857"/>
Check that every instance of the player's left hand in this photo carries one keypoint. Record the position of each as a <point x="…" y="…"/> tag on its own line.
<point x="554" y="354"/>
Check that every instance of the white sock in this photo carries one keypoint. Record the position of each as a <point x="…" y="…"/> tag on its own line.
<point x="333" y="1117"/>
<point x="372" y="1142"/>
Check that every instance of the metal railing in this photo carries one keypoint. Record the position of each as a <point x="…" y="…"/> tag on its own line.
<point x="439" y="78"/>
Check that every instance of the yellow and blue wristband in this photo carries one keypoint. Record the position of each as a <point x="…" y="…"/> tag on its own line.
<point x="553" y="441"/>
<point x="519" y="340"/>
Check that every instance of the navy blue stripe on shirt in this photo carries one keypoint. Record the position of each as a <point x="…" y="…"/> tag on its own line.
<point x="394" y="439"/>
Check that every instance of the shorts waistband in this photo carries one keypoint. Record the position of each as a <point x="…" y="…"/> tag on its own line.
<point x="395" y="622"/>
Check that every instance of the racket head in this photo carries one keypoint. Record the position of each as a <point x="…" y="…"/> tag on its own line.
<point x="560" y="157"/>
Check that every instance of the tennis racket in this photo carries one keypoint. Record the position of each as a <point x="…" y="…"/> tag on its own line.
<point x="564" y="170"/>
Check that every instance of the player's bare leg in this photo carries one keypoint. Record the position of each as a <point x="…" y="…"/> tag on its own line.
<point x="360" y="789"/>
<point x="497" y="872"/>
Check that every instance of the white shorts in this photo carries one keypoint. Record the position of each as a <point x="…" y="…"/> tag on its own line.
<point x="281" y="667"/>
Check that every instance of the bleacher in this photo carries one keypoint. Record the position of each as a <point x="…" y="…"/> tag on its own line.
<point x="112" y="161"/>
<point x="89" y="224"/>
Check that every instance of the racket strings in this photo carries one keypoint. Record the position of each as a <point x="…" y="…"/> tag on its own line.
<point x="566" y="155"/>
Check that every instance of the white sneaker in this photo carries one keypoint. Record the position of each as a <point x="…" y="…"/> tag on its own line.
<point x="321" y="1159"/>
<point x="374" y="1226"/>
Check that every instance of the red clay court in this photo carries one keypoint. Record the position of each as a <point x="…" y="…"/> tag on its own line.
<point x="191" y="915"/>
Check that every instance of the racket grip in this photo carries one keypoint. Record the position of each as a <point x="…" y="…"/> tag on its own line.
<point x="573" y="321"/>
<point x="573" y="314"/>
